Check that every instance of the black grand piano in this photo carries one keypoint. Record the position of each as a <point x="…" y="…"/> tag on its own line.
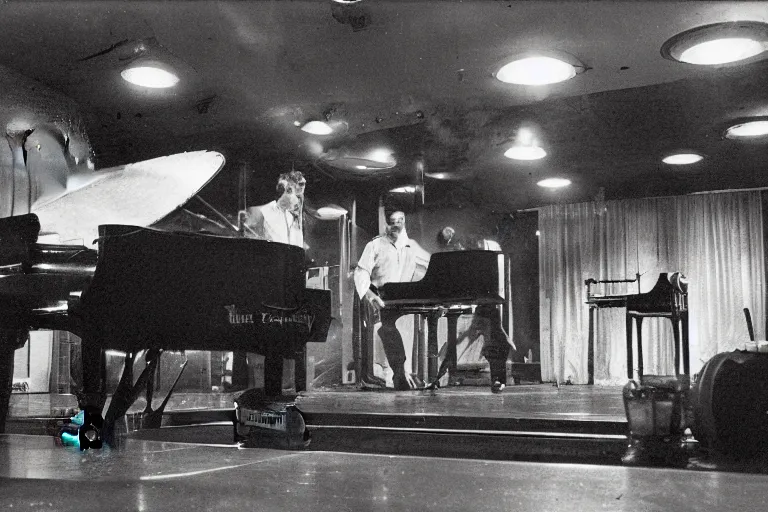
<point x="146" y="289"/>
<point x="667" y="299"/>
<point x="455" y="283"/>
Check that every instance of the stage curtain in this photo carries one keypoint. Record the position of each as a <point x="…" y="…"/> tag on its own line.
<point x="716" y="240"/>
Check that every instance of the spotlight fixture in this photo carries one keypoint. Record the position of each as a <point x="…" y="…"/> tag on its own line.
<point x="540" y="68"/>
<point x="525" y="153"/>
<point x="682" y="159"/>
<point x="719" y="43"/>
<point x="554" y="183"/>
<point x="525" y="147"/>
<point x="149" y="75"/>
<point x="747" y="130"/>
<point x="317" y="128"/>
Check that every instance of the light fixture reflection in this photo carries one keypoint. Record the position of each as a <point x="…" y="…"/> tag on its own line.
<point x="747" y="130"/>
<point x="317" y="128"/>
<point x="554" y="183"/>
<point x="150" y="76"/>
<point x="539" y="70"/>
<point x="331" y="211"/>
<point x="682" y="159"/>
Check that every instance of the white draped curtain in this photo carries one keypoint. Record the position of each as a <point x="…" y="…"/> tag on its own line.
<point x="716" y="240"/>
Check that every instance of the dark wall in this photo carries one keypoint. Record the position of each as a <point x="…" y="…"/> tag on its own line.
<point x="517" y="236"/>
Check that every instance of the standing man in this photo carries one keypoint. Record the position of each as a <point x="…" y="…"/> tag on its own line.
<point x="389" y="258"/>
<point x="280" y="220"/>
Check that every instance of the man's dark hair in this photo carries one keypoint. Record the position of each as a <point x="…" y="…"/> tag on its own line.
<point x="286" y="179"/>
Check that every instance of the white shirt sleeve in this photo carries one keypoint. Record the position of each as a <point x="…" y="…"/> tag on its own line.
<point x="364" y="269"/>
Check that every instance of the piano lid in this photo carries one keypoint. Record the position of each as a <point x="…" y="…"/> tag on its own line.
<point x="137" y="194"/>
<point x="452" y="278"/>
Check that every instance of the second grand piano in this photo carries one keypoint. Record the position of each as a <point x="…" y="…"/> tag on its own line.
<point x="455" y="282"/>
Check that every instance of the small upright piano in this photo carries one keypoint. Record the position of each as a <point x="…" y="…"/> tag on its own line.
<point x="455" y="282"/>
<point x="667" y="299"/>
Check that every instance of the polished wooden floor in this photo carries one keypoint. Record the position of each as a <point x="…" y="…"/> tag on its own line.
<point x="36" y="474"/>
<point x="543" y="401"/>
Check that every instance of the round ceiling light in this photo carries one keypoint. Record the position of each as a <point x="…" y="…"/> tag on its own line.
<point x="150" y="76"/>
<point x="536" y="70"/>
<point x="525" y="153"/>
<point x="554" y="183"/>
<point x="682" y="159"/>
<point x="331" y="211"/>
<point x="720" y="43"/>
<point x="748" y="130"/>
<point x="317" y="128"/>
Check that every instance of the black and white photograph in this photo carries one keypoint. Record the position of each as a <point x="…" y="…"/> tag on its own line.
<point x="384" y="255"/>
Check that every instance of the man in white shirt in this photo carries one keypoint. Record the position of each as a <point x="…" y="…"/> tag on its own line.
<point x="280" y="220"/>
<point x="388" y="258"/>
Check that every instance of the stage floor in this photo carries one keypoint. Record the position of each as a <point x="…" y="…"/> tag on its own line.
<point x="35" y="474"/>
<point x="540" y="401"/>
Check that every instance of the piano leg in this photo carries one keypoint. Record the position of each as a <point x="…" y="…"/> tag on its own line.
<point x="630" y="348"/>
<point x="686" y="353"/>
<point x="300" y="367"/>
<point x="432" y="348"/>
<point x="591" y="347"/>
<point x="10" y="341"/>
<point x="450" y="354"/>
<point x="676" y="333"/>
<point x="94" y="374"/>
<point x="273" y="369"/>
<point x="640" y="370"/>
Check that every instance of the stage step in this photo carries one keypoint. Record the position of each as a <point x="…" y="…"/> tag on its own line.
<point x="469" y="437"/>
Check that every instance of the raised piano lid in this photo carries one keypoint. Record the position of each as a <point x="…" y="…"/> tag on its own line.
<point x="137" y="194"/>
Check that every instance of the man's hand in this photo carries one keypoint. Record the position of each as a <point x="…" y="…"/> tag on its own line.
<point x="375" y="300"/>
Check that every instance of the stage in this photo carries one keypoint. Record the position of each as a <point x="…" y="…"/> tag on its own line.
<point x="541" y="422"/>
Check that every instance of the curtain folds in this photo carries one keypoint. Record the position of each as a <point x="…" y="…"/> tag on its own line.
<point x="716" y="240"/>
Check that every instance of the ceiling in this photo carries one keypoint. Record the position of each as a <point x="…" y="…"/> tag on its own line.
<point x="415" y="77"/>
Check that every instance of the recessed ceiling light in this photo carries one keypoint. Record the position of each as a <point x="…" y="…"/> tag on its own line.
<point x="536" y="70"/>
<point x="525" y="153"/>
<point x="748" y="130"/>
<point x="682" y="159"/>
<point x="317" y="128"/>
<point x="554" y="183"/>
<point x="408" y="189"/>
<point x="150" y="76"/>
<point x="722" y="51"/>
<point x="720" y="43"/>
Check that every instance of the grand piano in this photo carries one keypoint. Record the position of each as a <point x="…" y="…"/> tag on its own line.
<point x="454" y="284"/>
<point x="667" y="299"/>
<point x="146" y="289"/>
